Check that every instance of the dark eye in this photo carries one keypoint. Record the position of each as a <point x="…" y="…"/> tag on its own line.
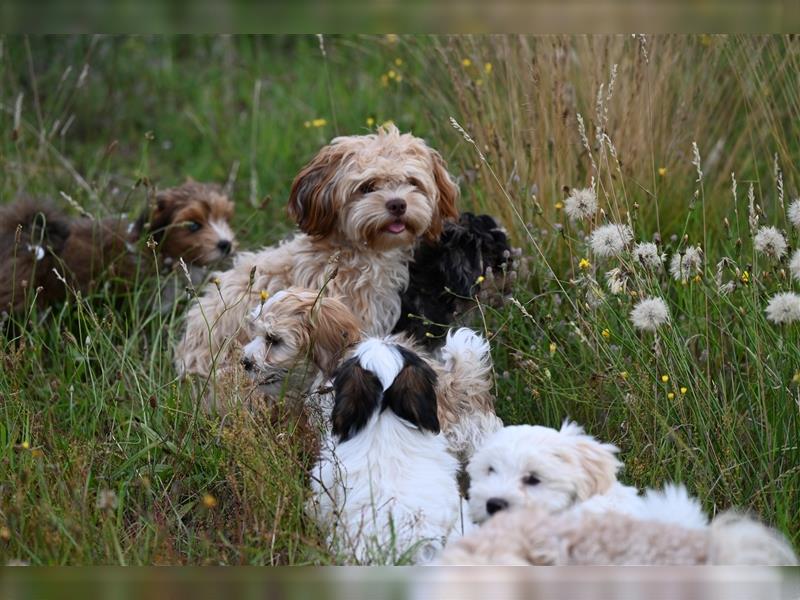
<point x="490" y="470"/>
<point x="271" y="339"/>
<point x="415" y="182"/>
<point x="530" y="480"/>
<point x="193" y="226"/>
<point x="367" y="187"/>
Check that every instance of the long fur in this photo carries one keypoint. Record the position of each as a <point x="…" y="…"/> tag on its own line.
<point x="574" y="537"/>
<point x="53" y="252"/>
<point x="548" y="469"/>
<point x="445" y="274"/>
<point x="385" y="486"/>
<point x="361" y="205"/>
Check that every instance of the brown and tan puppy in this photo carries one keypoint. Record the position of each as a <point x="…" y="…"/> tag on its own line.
<point x="43" y="251"/>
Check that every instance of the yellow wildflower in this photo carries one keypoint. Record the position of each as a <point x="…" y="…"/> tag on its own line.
<point x="559" y="205"/>
<point x="391" y="37"/>
<point x="624" y="374"/>
<point x="391" y="74"/>
<point x="25" y="445"/>
<point x="307" y="124"/>
<point x="684" y="390"/>
<point x="370" y="121"/>
<point x="584" y="264"/>
<point x="398" y="61"/>
<point x="319" y="122"/>
<point x="606" y="333"/>
<point x="264" y="295"/>
<point x="487" y="68"/>
<point x="662" y="171"/>
<point x="745" y="277"/>
<point x="552" y="348"/>
<point x="480" y="279"/>
<point x="671" y="395"/>
<point x="665" y="378"/>
<point x="209" y="501"/>
<point x="697" y="279"/>
<point x="466" y="62"/>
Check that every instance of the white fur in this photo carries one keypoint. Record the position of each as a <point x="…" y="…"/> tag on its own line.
<point x="573" y="469"/>
<point x="222" y="229"/>
<point x="381" y="358"/>
<point x="466" y="345"/>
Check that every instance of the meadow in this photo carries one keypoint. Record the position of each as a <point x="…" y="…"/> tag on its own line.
<point x="691" y="142"/>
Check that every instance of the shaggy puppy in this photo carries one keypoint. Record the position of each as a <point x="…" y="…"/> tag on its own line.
<point x="361" y="205"/>
<point x="549" y="469"/>
<point x="444" y="275"/>
<point x="385" y="486"/>
<point x="43" y="252"/>
<point x="536" y="536"/>
<point x="300" y="337"/>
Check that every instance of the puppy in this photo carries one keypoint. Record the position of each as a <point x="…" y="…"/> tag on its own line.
<point x="536" y="536"/>
<point x="552" y="470"/>
<point x="361" y="204"/>
<point x="300" y="337"/>
<point x="444" y="275"/>
<point x="43" y="253"/>
<point x="385" y="488"/>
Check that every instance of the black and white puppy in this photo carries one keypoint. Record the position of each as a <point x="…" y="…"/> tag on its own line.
<point x="445" y="274"/>
<point x="385" y="486"/>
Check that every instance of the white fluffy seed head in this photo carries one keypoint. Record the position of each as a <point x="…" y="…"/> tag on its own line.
<point x="647" y="255"/>
<point x="687" y="264"/>
<point x="794" y="265"/>
<point x="794" y="212"/>
<point x="611" y="239"/>
<point x="784" y="308"/>
<point x="581" y="204"/>
<point x="770" y="242"/>
<point x="650" y="314"/>
<point x="617" y="281"/>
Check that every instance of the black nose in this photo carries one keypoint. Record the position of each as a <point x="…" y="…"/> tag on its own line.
<point x="396" y="206"/>
<point x="495" y="504"/>
<point x="224" y="246"/>
<point x="247" y="363"/>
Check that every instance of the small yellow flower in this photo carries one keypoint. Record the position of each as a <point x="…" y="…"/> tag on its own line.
<point x="606" y="333"/>
<point x="624" y="374"/>
<point x="319" y="122"/>
<point x="745" y="277"/>
<point x="684" y="390"/>
<point x="25" y="445"/>
<point x="370" y="121"/>
<point x="391" y="38"/>
<point x="391" y="74"/>
<point x="217" y="281"/>
<point x="480" y="279"/>
<point x="671" y="395"/>
<point x="264" y="295"/>
<point x="487" y="68"/>
<point x="662" y="171"/>
<point x="552" y="348"/>
<point x="398" y="61"/>
<point x="428" y="334"/>
<point x="466" y="62"/>
<point x="209" y="501"/>
<point x="559" y="205"/>
<point x="584" y="264"/>
<point x="307" y="124"/>
<point x="399" y="78"/>
<point x="664" y="378"/>
<point x="697" y="279"/>
<point x="705" y="39"/>
<point x="634" y="293"/>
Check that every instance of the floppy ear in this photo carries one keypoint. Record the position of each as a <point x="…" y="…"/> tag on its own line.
<point x="356" y="393"/>
<point x="312" y="201"/>
<point x="446" y="197"/>
<point x="158" y="219"/>
<point x="335" y="329"/>
<point x="412" y="395"/>
<point x="598" y="461"/>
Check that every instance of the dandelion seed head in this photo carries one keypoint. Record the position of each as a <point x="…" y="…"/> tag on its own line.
<point x="650" y="314"/>
<point x="794" y="212"/>
<point x="611" y="239"/>
<point x="581" y="204"/>
<point x="646" y="253"/>
<point x="794" y="265"/>
<point x="784" y="308"/>
<point x="687" y="264"/>
<point x="770" y="242"/>
<point x="617" y="281"/>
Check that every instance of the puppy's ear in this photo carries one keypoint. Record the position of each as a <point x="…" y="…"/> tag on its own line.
<point x="356" y="393"/>
<point x="598" y="461"/>
<point x="157" y="220"/>
<point x="447" y="196"/>
<point x="412" y="394"/>
<point x="312" y="201"/>
<point x="335" y="329"/>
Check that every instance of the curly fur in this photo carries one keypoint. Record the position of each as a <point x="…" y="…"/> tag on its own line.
<point x="361" y="205"/>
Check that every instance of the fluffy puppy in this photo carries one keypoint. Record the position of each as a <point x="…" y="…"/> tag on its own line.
<point x="536" y="536"/>
<point x="385" y="488"/>
<point x="444" y="274"/>
<point x="43" y="252"/>
<point x="361" y="205"/>
<point x="549" y="469"/>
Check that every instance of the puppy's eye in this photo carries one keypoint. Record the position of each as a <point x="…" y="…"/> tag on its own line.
<point x="367" y="187"/>
<point x="415" y="182"/>
<point x="490" y="470"/>
<point x="193" y="226"/>
<point x="530" y="479"/>
<point x="271" y="339"/>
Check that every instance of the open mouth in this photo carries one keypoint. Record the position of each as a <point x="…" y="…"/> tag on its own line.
<point x="395" y="227"/>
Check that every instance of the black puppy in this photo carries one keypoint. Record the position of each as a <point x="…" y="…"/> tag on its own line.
<point x="444" y="275"/>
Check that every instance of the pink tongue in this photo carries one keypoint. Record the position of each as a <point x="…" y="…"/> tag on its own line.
<point x="396" y="227"/>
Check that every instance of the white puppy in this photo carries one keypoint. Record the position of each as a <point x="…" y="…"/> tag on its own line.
<point x="534" y="466"/>
<point x="385" y="486"/>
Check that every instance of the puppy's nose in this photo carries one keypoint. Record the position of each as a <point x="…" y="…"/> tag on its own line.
<point x="247" y="363"/>
<point x="224" y="246"/>
<point x="496" y="504"/>
<point x="396" y="206"/>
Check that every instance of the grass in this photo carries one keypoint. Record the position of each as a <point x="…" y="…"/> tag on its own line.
<point x="105" y="457"/>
